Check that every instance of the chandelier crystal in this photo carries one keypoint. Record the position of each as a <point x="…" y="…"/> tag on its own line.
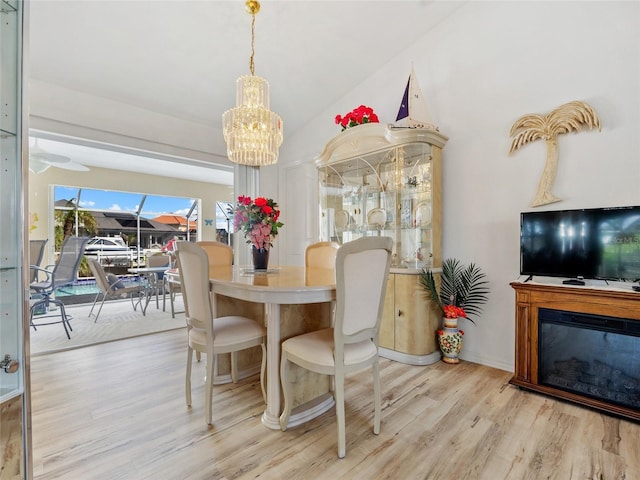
<point x="253" y="133"/>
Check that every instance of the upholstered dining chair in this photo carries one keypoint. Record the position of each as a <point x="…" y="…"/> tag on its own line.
<point x="362" y="270"/>
<point x="209" y="335"/>
<point x="321" y="255"/>
<point x="220" y="254"/>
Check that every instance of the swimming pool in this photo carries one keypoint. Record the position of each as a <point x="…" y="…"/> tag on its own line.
<point x="85" y="290"/>
<point x="83" y="287"/>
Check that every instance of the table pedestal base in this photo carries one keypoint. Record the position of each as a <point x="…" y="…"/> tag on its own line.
<point x="302" y="413"/>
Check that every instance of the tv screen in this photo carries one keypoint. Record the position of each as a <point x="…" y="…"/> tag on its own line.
<point x="600" y="243"/>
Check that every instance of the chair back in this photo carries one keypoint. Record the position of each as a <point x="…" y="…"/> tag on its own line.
<point x="66" y="268"/>
<point x="194" y="282"/>
<point x="220" y="254"/>
<point x="36" y="252"/>
<point x="99" y="274"/>
<point x="362" y="271"/>
<point x="321" y="255"/>
<point x="158" y="261"/>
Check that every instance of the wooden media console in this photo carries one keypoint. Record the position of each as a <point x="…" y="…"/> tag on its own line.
<point x="598" y="312"/>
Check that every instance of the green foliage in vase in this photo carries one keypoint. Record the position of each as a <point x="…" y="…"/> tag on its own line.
<point x="463" y="286"/>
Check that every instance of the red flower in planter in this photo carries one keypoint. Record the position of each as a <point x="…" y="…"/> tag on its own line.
<point x="451" y="311"/>
<point x="357" y="116"/>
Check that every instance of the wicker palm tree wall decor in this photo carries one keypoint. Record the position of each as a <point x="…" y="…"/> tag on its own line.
<point x="564" y="119"/>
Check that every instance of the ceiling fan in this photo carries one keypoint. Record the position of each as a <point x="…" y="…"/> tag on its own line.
<point x="40" y="160"/>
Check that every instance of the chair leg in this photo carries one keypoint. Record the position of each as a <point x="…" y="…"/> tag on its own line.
<point x="104" y="297"/>
<point x="376" y="397"/>
<point x="187" y="385"/>
<point x="64" y="318"/>
<point x="164" y="294"/>
<point x="286" y="391"/>
<point x="144" y="295"/>
<point x="208" y="386"/>
<point x="32" y="310"/>
<point x="156" y="290"/>
<point x="171" y="299"/>
<point x="94" y="303"/>
<point x="339" y="396"/>
<point x="136" y="300"/>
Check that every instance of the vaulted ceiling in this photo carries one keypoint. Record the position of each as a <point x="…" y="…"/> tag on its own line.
<point x="181" y="58"/>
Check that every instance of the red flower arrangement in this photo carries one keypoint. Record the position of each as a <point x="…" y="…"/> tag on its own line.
<point x="357" y="116"/>
<point x="258" y="219"/>
<point x="452" y="311"/>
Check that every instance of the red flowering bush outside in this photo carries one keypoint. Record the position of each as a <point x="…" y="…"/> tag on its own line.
<point x="258" y="219"/>
<point x="357" y="116"/>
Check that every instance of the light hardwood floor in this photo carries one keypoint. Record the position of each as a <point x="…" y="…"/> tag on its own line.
<point x="117" y="411"/>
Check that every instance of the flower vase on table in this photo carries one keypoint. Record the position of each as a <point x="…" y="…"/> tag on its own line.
<point x="260" y="258"/>
<point x="258" y="219"/>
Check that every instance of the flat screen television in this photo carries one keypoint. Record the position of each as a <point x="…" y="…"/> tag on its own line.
<point x="596" y="243"/>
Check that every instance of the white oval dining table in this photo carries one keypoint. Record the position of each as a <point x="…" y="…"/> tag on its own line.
<point x="277" y="286"/>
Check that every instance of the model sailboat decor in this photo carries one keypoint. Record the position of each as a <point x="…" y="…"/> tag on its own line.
<point x="413" y="111"/>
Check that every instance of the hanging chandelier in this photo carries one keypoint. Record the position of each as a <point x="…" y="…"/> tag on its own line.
<point x="253" y="132"/>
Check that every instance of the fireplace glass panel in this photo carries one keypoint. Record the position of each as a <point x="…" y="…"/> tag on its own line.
<point x="590" y="355"/>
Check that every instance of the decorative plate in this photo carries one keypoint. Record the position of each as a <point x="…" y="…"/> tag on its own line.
<point x="422" y="214"/>
<point x="342" y="219"/>
<point x="376" y="217"/>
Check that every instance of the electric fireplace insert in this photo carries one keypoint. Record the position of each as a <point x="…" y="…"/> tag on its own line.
<point x="591" y="355"/>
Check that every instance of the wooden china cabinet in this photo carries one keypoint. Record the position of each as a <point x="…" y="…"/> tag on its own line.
<point x="378" y="180"/>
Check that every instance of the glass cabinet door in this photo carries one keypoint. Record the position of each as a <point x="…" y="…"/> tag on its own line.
<point x="11" y="204"/>
<point x="14" y="433"/>
<point x="376" y="180"/>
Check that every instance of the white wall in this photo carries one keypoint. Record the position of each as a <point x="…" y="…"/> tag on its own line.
<point x="480" y="70"/>
<point x="56" y="109"/>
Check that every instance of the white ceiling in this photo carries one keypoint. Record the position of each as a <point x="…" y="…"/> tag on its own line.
<point x="181" y="58"/>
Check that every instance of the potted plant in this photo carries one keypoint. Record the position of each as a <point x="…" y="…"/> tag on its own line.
<point x="462" y="292"/>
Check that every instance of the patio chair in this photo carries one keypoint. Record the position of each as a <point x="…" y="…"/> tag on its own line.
<point x="36" y="252"/>
<point x="157" y="285"/>
<point x="112" y="287"/>
<point x="64" y="273"/>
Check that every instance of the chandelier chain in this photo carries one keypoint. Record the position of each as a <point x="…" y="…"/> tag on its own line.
<point x="253" y="36"/>
<point x="253" y="133"/>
